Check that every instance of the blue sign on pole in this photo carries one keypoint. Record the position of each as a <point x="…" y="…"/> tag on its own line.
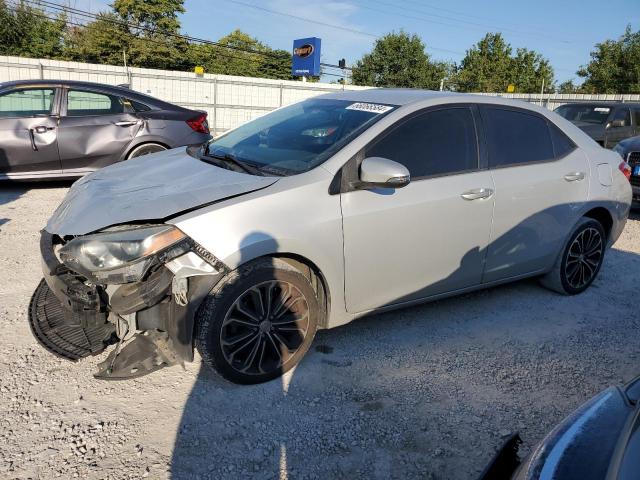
<point x="306" y="57"/>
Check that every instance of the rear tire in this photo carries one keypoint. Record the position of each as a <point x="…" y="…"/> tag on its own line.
<point x="145" y="149"/>
<point x="258" y="322"/>
<point x="580" y="261"/>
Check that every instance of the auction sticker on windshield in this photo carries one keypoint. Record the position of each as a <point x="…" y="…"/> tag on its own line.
<point x="602" y="109"/>
<point x="369" y="107"/>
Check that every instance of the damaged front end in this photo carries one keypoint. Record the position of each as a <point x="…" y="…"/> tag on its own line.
<point x="138" y="287"/>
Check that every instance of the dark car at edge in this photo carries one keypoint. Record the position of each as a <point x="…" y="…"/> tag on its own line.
<point x="607" y="123"/>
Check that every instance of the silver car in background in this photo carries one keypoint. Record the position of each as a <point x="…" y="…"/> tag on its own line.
<point x="314" y="215"/>
<point x="52" y="129"/>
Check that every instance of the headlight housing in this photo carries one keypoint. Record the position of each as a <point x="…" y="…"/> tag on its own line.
<point x="123" y="255"/>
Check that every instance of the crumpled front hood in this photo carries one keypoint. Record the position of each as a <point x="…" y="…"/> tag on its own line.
<point x="151" y="187"/>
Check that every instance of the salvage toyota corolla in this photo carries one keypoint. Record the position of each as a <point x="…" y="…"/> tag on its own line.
<point x="316" y="214"/>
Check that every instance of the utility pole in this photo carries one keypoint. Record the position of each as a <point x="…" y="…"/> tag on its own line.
<point x="542" y="91"/>
<point x="441" y="84"/>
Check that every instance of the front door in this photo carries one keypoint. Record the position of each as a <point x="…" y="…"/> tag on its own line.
<point x="541" y="183"/>
<point x="28" y="132"/>
<point x="95" y="130"/>
<point x="431" y="236"/>
<point x="616" y="133"/>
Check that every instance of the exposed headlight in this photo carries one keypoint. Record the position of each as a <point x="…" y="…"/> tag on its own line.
<point x="122" y="256"/>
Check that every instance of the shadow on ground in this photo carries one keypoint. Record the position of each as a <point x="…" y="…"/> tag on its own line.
<point x="423" y="392"/>
<point x="10" y="191"/>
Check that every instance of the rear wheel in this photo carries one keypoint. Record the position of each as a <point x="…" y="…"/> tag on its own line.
<point x="258" y="322"/>
<point x="145" y="149"/>
<point x="580" y="261"/>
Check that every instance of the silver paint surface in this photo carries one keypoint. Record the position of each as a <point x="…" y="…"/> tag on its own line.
<point x="151" y="187"/>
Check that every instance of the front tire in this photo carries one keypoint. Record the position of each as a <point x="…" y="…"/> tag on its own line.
<point x="258" y="322"/>
<point x="580" y="260"/>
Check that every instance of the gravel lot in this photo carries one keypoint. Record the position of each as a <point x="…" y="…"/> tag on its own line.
<point x="425" y="392"/>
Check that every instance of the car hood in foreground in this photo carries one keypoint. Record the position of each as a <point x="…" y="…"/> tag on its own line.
<point x="151" y="187"/>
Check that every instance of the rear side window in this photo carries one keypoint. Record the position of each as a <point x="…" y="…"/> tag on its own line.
<point x="26" y="103"/>
<point x="562" y="145"/>
<point x="515" y="137"/>
<point x="138" y="107"/>
<point x="623" y="114"/>
<point x="82" y="103"/>
<point x="636" y="116"/>
<point x="433" y="143"/>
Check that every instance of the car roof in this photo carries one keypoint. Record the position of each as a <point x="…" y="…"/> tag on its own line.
<point x="116" y="90"/>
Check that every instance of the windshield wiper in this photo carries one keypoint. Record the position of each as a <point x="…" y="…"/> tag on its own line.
<point x="231" y="159"/>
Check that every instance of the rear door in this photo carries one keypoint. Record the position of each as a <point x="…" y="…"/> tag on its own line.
<point x="28" y="132"/>
<point x="614" y="134"/>
<point x="95" y="129"/>
<point x="541" y="181"/>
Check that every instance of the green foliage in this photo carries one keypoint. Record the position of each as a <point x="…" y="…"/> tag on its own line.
<point x="399" y="60"/>
<point x="152" y="16"/>
<point x="614" y="66"/>
<point x="237" y="59"/>
<point x="25" y="32"/>
<point x="489" y="66"/>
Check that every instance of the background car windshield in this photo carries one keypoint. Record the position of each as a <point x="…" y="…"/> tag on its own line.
<point x="299" y="137"/>
<point x="584" y="113"/>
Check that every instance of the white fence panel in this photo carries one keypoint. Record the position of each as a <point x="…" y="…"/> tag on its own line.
<point x="228" y="100"/>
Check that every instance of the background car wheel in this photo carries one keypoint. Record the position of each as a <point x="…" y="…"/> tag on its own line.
<point x="258" y="322"/>
<point x="145" y="149"/>
<point x="580" y="261"/>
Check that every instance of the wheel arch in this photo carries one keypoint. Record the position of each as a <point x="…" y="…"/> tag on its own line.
<point x="133" y="146"/>
<point x="313" y="273"/>
<point x="602" y="215"/>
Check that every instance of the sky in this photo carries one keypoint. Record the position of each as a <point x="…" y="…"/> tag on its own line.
<point x="565" y="32"/>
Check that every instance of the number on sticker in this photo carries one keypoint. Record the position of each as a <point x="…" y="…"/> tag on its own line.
<point x="369" y="107"/>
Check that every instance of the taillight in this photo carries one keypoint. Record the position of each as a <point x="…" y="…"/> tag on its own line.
<point x="199" y="124"/>
<point x="625" y="168"/>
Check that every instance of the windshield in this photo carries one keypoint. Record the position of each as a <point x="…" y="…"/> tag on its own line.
<point x="299" y="137"/>
<point x="584" y="113"/>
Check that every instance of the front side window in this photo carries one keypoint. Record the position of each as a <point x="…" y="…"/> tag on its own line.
<point x="299" y="137"/>
<point x="27" y="102"/>
<point x="437" y="142"/>
<point x="515" y="137"/>
<point x="82" y="103"/>
<point x="593" y="114"/>
<point x="623" y="114"/>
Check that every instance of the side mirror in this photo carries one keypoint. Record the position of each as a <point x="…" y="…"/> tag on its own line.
<point x="382" y="173"/>
<point x="616" y="124"/>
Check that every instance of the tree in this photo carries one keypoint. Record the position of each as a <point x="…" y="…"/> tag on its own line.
<point x="569" y="87"/>
<point x="614" y="65"/>
<point x="490" y="67"/>
<point x="26" y="31"/>
<point x="101" y="41"/>
<point x="399" y="60"/>
<point x="153" y="28"/>
<point x="234" y="56"/>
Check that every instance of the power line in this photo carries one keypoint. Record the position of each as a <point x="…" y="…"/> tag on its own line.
<point x="466" y="22"/>
<point x="325" y="24"/>
<point x="146" y="39"/>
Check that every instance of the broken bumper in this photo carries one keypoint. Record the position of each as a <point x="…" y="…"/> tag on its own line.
<point x="152" y="320"/>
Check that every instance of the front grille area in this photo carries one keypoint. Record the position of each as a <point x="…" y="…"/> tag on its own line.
<point x="634" y="159"/>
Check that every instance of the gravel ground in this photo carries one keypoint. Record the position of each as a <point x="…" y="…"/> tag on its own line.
<point x="425" y="392"/>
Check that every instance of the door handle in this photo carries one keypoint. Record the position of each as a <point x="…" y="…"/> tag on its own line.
<point x="42" y="128"/>
<point x="125" y="123"/>
<point x="574" y="176"/>
<point x="33" y="140"/>
<point x="477" y="194"/>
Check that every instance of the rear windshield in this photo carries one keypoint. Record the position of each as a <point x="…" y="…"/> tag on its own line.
<point x="299" y="137"/>
<point x="584" y="113"/>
